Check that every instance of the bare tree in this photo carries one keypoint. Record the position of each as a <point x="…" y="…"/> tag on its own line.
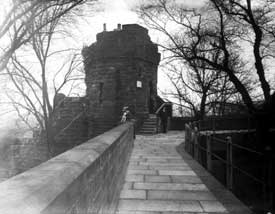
<point x="23" y="15"/>
<point x="198" y="88"/>
<point x="219" y="36"/>
<point x="240" y="34"/>
<point x="33" y="91"/>
<point x="196" y="83"/>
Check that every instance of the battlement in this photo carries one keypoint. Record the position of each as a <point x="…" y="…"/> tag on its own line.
<point x="130" y="41"/>
<point x="129" y="29"/>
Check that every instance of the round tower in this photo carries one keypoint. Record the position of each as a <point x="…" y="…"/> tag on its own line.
<point x="121" y="70"/>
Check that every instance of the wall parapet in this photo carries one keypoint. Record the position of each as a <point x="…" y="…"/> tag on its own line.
<point x="85" y="179"/>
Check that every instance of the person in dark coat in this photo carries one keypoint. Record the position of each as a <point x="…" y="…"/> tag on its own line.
<point x="163" y="114"/>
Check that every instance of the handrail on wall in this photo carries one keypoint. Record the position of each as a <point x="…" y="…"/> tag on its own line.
<point x="161" y="107"/>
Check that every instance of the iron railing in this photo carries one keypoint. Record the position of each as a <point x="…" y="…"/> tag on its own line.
<point x="207" y="149"/>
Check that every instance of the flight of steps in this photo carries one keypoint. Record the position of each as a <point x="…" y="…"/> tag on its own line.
<point x="149" y="126"/>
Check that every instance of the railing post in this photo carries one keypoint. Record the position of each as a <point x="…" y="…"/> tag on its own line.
<point x="268" y="183"/>
<point x="208" y="153"/>
<point x="214" y="125"/>
<point x="191" y="139"/>
<point x="186" y="138"/>
<point x="229" y="163"/>
<point x="196" y="146"/>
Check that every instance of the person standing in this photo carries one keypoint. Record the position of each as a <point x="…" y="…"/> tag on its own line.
<point x="126" y="114"/>
<point x="163" y="114"/>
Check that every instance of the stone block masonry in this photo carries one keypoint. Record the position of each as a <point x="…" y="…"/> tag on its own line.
<point x="19" y="155"/>
<point x="85" y="179"/>
<point x="27" y="153"/>
<point x="71" y="127"/>
<point x="113" y="66"/>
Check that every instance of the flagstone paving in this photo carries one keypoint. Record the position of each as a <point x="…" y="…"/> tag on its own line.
<point x="161" y="181"/>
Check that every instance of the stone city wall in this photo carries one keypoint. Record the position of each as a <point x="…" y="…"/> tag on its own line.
<point x="19" y="155"/>
<point x="71" y="127"/>
<point x="85" y="179"/>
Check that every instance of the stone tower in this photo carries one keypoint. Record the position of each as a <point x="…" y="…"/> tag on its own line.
<point x="121" y="70"/>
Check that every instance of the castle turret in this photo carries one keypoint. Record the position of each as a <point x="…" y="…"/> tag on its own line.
<point x="121" y="70"/>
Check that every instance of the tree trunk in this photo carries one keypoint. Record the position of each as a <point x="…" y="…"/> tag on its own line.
<point x="50" y="138"/>
<point x="202" y="106"/>
<point x="265" y="121"/>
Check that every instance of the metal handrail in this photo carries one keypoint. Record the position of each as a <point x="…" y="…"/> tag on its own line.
<point x="226" y="162"/>
<point x="219" y="139"/>
<point x="196" y="149"/>
<point x="247" y="149"/>
<point x="163" y="104"/>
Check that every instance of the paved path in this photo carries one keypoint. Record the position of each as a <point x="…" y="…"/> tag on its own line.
<point x="160" y="181"/>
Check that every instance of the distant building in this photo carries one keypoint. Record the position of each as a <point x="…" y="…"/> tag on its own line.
<point x="226" y="108"/>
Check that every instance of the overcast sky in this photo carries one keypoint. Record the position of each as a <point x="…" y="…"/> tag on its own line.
<point x="114" y="12"/>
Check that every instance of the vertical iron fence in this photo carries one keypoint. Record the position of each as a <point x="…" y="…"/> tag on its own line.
<point x="244" y="171"/>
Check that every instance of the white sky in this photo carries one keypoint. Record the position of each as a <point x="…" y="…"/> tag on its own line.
<point x="114" y="12"/>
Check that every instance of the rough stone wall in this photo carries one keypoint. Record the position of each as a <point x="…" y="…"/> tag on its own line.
<point x="103" y="95"/>
<point x="71" y="127"/>
<point x="27" y="153"/>
<point x="19" y="155"/>
<point x="6" y="158"/>
<point x="113" y="65"/>
<point x="86" y="179"/>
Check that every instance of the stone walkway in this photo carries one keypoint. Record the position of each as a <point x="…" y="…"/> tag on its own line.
<point x="160" y="181"/>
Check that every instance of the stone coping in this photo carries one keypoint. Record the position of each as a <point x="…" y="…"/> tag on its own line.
<point x="33" y="191"/>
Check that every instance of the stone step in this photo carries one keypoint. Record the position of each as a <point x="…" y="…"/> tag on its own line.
<point x="152" y="116"/>
<point x="150" y="123"/>
<point x="149" y="126"/>
<point x="147" y="132"/>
